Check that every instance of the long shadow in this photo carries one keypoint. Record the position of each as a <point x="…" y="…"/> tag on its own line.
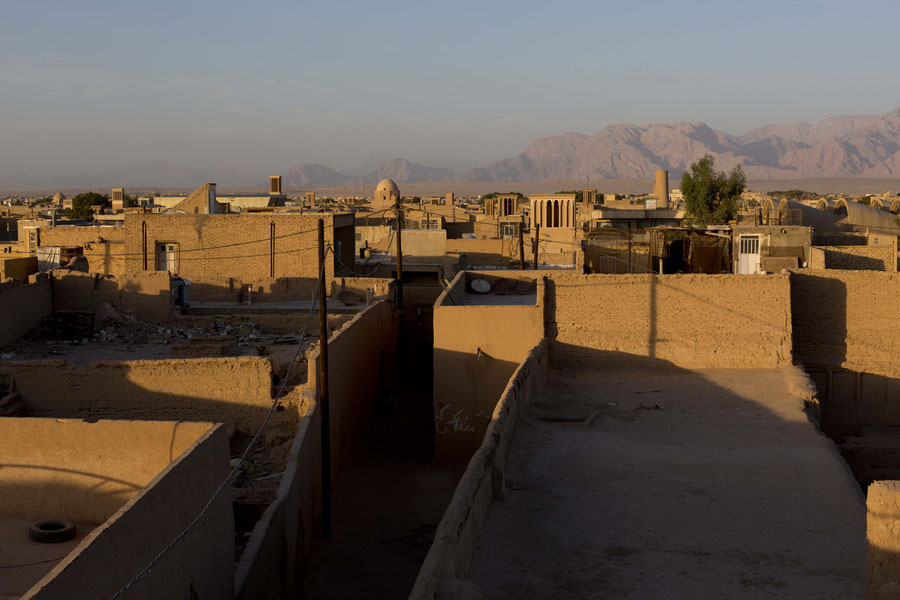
<point x="857" y="409"/>
<point x="388" y="500"/>
<point x="687" y="484"/>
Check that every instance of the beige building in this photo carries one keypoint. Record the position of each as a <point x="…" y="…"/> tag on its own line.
<point x="553" y="211"/>
<point x="504" y="205"/>
<point x="226" y="202"/>
<point x="555" y="214"/>
<point x="244" y="246"/>
<point x="387" y="194"/>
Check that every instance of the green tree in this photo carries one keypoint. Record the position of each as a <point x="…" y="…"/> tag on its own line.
<point x="711" y="196"/>
<point x="82" y="203"/>
<point x="579" y="194"/>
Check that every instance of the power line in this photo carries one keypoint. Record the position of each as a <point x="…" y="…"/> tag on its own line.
<point x="205" y="248"/>
<point x="155" y="561"/>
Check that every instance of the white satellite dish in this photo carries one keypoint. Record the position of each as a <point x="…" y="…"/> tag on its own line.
<point x="482" y="286"/>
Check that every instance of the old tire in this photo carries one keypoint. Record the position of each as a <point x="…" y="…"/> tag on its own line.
<point x="51" y="531"/>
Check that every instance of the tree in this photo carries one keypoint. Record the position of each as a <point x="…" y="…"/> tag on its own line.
<point x="82" y="203"/>
<point x="711" y="196"/>
<point x="579" y="194"/>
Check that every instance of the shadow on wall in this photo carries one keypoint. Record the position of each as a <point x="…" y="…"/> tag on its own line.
<point x="576" y="390"/>
<point x="696" y="321"/>
<point x="818" y="320"/>
<point x="236" y="391"/>
<point x="459" y="427"/>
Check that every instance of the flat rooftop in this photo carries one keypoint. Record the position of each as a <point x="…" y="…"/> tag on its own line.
<point x="704" y="484"/>
<point x="500" y="300"/>
<point x="125" y="338"/>
<point x="24" y="562"/>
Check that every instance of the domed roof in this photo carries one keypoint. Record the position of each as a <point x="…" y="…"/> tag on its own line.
<point x="388" y="186"/>
<point x="58" y="196"/>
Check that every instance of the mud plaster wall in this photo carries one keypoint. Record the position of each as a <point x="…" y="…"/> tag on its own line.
<point x="362" y="359"/>
<point x="231" y="245"/>
<point x="855" y="258"/>
<point x="693" y="321"/>
<point x="616" y="258"/>
<point x="457" y="535"/>
<point x="361" y="364"/>
<point x="234" y="390"/>
<point x="467" y="383"/>
<point x="883" y="548"/>
<point x="265" y="289"/>
<point x="379" y="286"/>
<point x="19" y="268"/>
<point x="835" y="324"/>
<point x="22" y="306"/>
<point x="284" y="534"/>
<point x="200" y="565"/>
<point x="104" y="246"/>
<point x="83" y="471"/>
<point x="146" y="295"/>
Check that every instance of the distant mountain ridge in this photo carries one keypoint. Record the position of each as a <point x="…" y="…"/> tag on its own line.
<point x="159" y="174"/>
<point x="846" y="146"/>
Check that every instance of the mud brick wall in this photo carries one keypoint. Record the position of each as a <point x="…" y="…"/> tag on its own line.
<point x="883" y="537"/>
<point x="857" y="258"/>
<point x="847" y="319"/>
<point x="22" y="306"/>
<point x="693" y="321"/>
<point x="231" y="245"/>
<point x="236" y="390"/>
<point x="104" y="246"/>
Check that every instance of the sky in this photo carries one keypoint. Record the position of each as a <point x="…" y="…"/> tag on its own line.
<point x="253" y="85"/>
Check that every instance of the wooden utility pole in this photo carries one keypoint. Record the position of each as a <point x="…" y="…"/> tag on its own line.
<point x="324" y="406"/>
<point x="536" y="244"/>
<point x="399" y="207"/>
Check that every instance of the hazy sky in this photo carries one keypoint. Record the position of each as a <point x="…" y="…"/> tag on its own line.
<point x="87" y="85"/>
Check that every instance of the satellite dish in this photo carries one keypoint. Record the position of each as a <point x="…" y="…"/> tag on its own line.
<point x="348" y="298"/>
<point x="523" y="286"/>
<point x="482" y="286"/>
<point x="504" y="286"/>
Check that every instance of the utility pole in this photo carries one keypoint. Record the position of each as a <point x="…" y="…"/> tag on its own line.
<point x="399" y="207"/>
<point x="536" y="243"/>
<point x="324" y="406"/>
<point x="521" y="248"/>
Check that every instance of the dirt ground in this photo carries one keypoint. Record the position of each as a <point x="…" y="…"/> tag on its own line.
<point x="708" y="484"/>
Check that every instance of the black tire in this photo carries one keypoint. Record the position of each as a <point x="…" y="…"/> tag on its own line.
<point x="51" y="531"/>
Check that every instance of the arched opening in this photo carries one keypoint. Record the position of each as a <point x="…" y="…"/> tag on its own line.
<point x="840" y="208"/>
<point x="556" y="213"/>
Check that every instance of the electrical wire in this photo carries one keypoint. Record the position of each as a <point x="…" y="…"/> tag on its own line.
<point x="155" y="561"/>
<point x="220" y="246"/>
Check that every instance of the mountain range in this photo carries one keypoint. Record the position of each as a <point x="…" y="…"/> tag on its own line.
<point x="846" y="146"/>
